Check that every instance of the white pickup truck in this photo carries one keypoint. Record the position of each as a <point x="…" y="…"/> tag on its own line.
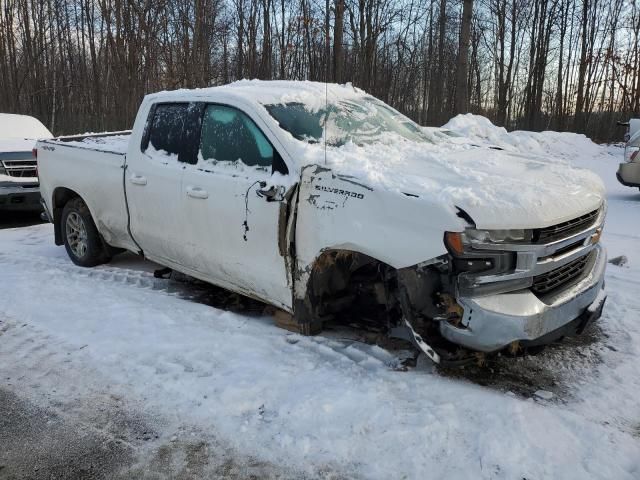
<point x="18" y="173"/>
<point x="328" y="204"/>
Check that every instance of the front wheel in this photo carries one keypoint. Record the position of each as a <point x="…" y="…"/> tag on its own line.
<point x="81" y="238"/>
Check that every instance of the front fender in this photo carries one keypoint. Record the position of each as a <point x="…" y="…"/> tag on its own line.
<point x="337" y="212"/>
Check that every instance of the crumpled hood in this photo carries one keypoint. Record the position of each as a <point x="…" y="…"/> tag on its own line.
<point x="498" y="189"/>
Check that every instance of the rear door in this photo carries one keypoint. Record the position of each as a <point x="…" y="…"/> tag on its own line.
<point x="235" y="207"/>
<point x="153" y="179"/>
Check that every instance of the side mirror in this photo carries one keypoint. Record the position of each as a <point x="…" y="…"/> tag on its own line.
<point x="271" y="194"/>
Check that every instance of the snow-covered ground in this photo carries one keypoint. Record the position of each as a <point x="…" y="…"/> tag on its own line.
<point x="329" y="406"/>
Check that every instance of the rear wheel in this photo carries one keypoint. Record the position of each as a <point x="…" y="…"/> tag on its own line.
<point x="81" y="238"/>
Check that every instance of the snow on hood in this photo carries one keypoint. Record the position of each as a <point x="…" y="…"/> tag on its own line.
<point x="16" y="145"/>
<point x="498" y="189"/>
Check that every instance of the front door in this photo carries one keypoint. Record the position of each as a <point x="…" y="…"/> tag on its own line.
<point x="235" y="207"/>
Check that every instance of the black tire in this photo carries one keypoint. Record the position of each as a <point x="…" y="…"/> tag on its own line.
<point x="81" y="238"/>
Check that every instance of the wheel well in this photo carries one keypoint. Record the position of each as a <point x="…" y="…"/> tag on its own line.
<point x="348" y="286"/>
<point x="61" y="197"/>
<point x="342" y="282"/>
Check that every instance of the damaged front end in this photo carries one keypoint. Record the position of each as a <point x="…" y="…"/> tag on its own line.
<point x="506" y="290"/>
<point x="355" y="289"/>
<point x="482" y="291"/>
<point x="426" y="296"/>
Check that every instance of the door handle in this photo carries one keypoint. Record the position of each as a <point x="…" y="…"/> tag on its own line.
<point x="138" y="179"/>
<point x="197" y="192"/>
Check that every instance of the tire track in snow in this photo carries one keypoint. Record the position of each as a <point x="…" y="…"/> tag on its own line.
<point x="559" y="369"/>
<point x="306" y="350"/>
<point x="550" y="371"/>
<point x="361" y="355"/>
<point x="97" y="420"/>
<point x="113" y="275"/>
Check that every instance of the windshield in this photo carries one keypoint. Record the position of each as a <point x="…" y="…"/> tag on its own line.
<point x="361" y="121"/>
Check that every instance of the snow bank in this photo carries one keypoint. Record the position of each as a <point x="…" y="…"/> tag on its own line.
<point x="552" y="145"/>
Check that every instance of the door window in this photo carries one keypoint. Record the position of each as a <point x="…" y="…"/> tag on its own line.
<point x="174" y="128"/>
<point x="229" y="135"/>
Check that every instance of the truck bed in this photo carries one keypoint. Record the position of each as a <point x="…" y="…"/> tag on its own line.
<point x="90" y="166"/>
<point x="109" y="142"/>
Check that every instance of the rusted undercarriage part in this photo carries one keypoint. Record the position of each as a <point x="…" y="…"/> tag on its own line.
<point x="352" y="288"/>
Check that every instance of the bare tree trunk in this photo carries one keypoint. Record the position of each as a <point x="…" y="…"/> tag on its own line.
<point x="240" y="45"/>
<point x="265" y="63"/>
<point x="579" y="123"/>
<point x="338" y="30"/>
<point x="437" y="100"/>
<point x="462" y="100"/>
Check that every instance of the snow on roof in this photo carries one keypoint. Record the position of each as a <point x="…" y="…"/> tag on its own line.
<point x="22" y="126"/>
<point x="268" y="92"/>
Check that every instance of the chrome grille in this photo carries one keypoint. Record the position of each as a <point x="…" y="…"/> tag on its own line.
<point x="564" y="229"/>
<point x="547" y="282"/>
<point x="21" y="168"/>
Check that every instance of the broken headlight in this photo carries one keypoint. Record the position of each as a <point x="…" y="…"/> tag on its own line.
<point x="479" y="271"/>
<point x="467" y="259"/>
<point x="471" y="235"/>
<point x="460" y="242"/>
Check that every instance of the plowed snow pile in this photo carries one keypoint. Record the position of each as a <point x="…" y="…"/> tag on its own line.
<point x="552" y="145"/>
<point x="327" y="406"/>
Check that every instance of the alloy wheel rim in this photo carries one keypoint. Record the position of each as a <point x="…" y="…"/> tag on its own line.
<point x="76" y="234"/>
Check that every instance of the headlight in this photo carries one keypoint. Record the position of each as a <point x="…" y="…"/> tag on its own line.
<point x="464" y="260"/>
<point x="469" y="263"/>
<point x="2" y="170"/>
<point x="497" y="236"/>
<point x="457" y="241"/>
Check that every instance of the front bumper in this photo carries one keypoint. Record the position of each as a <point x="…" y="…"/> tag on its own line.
<point x="20" y="197"/>
<point x="492" y="322"/>
<point x="628" y="174"/>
